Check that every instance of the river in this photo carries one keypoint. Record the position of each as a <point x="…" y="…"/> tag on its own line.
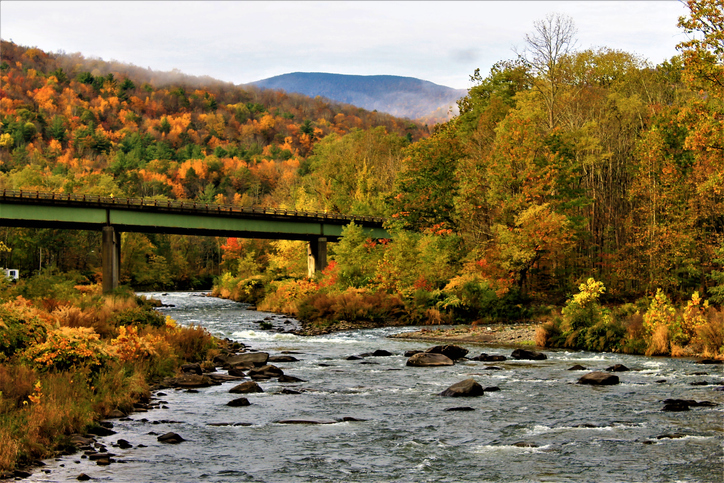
<point x="540" y="426"/>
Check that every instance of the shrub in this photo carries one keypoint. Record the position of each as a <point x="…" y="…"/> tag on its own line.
<point x="20" y="327"/>
<point x="129" y="346"/>
<point x="191" y="343"/>
<point x="66" y="348"/>
<point x="139" y="316"/>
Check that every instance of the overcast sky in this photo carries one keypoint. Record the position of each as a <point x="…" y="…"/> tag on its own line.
<point x="241" y="42"/>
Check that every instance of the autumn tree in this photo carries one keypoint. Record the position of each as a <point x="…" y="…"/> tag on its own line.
<point x="553" y="39"/>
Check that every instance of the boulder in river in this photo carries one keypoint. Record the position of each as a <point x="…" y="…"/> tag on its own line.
<point x="489" y="358"/>
<point x="684" y="404"/>
<point x="247" y="387"/>
<point x="306" y="421"/>
<point x="525" y="354"/>
<point x="381" y="353"/>
<point x="282" y="359"/>
<point x="265" y="372"/>
<point x="429" y="359"/>
<point x="286" y="378"/>
<point x="466" y="388"/>
<point x="577" y="367"/>
<point x="236" y="372"/>
<point x="191" y="380"/>
<point x="617" y="368"/>
<point x="194" y="368"/>
<point x="598" y="378"/>
<point x="170" y="438"/>
<point x="411" y="353"/>
<point x="239" y="402"/>
<point x="247" y="359"/>
<point x="451" y="351"/>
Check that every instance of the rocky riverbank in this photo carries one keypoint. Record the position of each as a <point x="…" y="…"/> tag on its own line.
<point x="499" y="335"/>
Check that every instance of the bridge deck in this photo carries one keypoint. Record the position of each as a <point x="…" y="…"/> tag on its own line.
<point x="84" y="212"/>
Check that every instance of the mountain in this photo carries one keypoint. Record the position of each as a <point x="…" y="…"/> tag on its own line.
<point x="400" y="96"/>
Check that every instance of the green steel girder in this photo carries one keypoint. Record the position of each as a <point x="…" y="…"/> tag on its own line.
<point x="85" y="217"/>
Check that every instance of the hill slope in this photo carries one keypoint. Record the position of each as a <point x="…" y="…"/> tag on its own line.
<point x="400" y="96"/>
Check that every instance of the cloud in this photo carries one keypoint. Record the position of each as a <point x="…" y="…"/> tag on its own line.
<point x="443" y="42"/>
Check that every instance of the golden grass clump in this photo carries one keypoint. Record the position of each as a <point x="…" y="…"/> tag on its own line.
<point x="659" y="344"/>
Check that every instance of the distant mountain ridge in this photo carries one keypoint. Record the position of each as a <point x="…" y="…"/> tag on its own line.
<point x="400" y="96"/>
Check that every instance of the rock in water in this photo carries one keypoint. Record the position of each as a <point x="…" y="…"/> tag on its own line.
<point x="265" y="372"/>
<point x="428" y="359"/>
<point x="453" y="352"/>
<point x="191" y="380"/>
<point x="282" y="359"/>
<point x="577" y="367"/>
<point x="381" y="353"/>
<point x="194" y="368"/>
<point x="247" y="387"/>
<point x="170" y="438"/>
<point x="247" y="359"/>
<point x="236" y="403"/>
<point x="617" y="368"/>
<point x="525" y="354"/>
<point x="598" y="378"/>
<point x="467" y="388"/>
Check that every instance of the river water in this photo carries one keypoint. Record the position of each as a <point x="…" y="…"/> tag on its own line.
<point x="403" y="431"/>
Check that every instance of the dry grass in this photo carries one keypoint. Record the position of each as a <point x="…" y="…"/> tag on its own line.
<point x="660" y="344"/>
<point x="9" y="449"/>
<point x="16" y="384"/>
<point x="711" y="334"/>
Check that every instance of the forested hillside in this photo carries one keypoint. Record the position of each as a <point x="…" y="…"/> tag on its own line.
<point x="566" y="170"/>
<point x="76" y="125"/>
<point x="400" y="96"/>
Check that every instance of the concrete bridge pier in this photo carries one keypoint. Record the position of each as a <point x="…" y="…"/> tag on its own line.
<point x="111" y="258"/>
<point x="316" y="256"/>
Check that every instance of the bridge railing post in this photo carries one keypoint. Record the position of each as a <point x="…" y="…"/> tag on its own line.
<point x="111" y="257"/>
<point x="316" y="256"/>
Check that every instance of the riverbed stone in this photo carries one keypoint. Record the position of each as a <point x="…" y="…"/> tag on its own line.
<point x="465" y="388"/>
<point x="194" y="368"/>
<point x="286" y="378"/>
<point x="411" y="353"/>
<point x="483" y="357"/>
<point x="187" y="381"/>
<point x="116" y="413"/>
<point x="247" y="387"/>
<point x="525" y="354"/>
<point x="265" y="372"/>
<point x="617" y="368"/>
<point x="451" y="351"/>
<point x="381" y="353"/>
<point x="238" y="402"/>
<point x="306" y="421"/>
<point x="577" y="367"/>
<point x="282" y="359"/>
<point x="236" y="372"/>
<point x="598" y="378"/>
<point x="429" y="359"/>
<point x="224" y="377"/>
<point x="247" y="359"/>
<point x="170" y="438"/>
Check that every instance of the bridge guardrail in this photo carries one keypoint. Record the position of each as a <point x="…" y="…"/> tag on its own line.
<point x="174" y="204"/>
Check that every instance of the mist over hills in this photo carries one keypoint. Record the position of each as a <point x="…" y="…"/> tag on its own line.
<point x="400" y="96"/>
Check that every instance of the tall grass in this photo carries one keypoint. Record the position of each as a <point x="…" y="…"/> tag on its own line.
<point x="68" y="358"/>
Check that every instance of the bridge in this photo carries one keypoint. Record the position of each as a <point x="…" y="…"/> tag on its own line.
<point x="112" y="216"/>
